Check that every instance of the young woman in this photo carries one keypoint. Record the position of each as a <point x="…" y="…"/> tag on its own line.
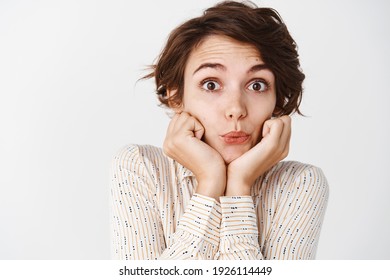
<point x="218" y="189"/>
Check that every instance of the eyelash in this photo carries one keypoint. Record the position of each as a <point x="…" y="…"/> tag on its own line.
<point x="204" y="82"/>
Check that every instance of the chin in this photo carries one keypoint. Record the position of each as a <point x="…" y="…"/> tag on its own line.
<point x="231" y="153"/>
<point x="229" y="157"/>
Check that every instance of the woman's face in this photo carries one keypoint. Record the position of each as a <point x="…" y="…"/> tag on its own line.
<point x="229" y="89"/>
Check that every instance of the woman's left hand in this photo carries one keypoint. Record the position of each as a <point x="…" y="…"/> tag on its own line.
<point x="273" y="147"/>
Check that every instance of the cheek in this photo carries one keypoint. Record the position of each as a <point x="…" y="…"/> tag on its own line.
<point x="209" y="122"/>
<point x="260" y="115"/>
<point x="211" y="126"/>
<point x="202" y="110"/>
<point x="264" y="107"/>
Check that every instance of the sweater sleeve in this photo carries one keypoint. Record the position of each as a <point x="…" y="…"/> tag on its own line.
<point x="239" y="233"/>
<point x="137" y="229"/>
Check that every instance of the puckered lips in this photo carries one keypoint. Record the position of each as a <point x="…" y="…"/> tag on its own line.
<point x="235" y="137"/>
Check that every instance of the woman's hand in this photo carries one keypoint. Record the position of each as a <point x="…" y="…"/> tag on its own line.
<point x="183" y="143"/>
<point x="273" y="147"/>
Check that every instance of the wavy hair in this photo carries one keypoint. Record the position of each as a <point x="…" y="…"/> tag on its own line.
<point x="245" y="22"/>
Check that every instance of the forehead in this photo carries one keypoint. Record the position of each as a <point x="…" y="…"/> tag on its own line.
<point x="216" y="47"/>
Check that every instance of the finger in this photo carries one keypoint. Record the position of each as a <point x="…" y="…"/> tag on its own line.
<point x="188" y="125"/>
<point x="172" y="124"/>
<point x="266" y="128"/>
<point x="180" y="123"/>
<point x="192" y="126"/>
<point x="286" y="133"/>
<point x="167" y="145"/>
<point x="198" y="129"/>
<point x="273" y="128"/>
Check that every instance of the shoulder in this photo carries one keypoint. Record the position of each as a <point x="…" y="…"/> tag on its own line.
<point x="139" y="156"/>
<point x="285" y="170"/>
<point x="140" y="168"/>
<point x="294" y="176"/>
<point x="139" y="152"/>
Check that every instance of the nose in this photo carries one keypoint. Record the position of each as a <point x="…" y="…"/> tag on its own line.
<point x="236" y="106"/>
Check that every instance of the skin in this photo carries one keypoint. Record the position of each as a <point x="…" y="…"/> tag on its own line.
<point x="227" y="88"/>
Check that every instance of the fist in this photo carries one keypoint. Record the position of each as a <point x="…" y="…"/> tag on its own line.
<point x="183" y="143"/>
<point x="273" y="147"/>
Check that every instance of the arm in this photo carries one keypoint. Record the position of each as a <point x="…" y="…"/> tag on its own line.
<point x="239" y="232"/>
<point x="295" y="228"/>
<point x="183" y="143"/>
<point x="136" y="225"/>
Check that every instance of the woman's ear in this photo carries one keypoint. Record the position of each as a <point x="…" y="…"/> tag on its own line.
<point x="177" y="108"/>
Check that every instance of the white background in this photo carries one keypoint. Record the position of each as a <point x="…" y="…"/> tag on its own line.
<point x="69" y="100"/>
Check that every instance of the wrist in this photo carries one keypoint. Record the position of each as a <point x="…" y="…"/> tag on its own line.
<point x="237" y="188"/>
<point x="212" y="187"/>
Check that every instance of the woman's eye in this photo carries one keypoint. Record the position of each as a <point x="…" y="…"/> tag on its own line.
<point x="210" y="85"/>
<point x="258" y="86"/>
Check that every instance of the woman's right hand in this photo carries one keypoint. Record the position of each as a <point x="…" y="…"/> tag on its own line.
<point x="183" y="143"/>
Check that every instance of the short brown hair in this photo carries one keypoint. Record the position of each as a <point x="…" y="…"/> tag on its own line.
<point x="245" y="22"/>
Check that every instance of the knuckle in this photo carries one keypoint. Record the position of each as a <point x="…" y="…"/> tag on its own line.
<point x="184" y="115"/>
<point x="276" y="123"/>
<point x="287" y="120"/>
<point x="175" y="117"/>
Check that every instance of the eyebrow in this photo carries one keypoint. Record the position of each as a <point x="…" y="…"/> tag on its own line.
<point x="254" y="68"/>
<point x="210" y="65"/>
<point x="258" y="67"/>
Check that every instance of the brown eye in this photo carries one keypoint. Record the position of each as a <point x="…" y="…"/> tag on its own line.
<point x="258" y="86"/>
<point x="211" y="85"/>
